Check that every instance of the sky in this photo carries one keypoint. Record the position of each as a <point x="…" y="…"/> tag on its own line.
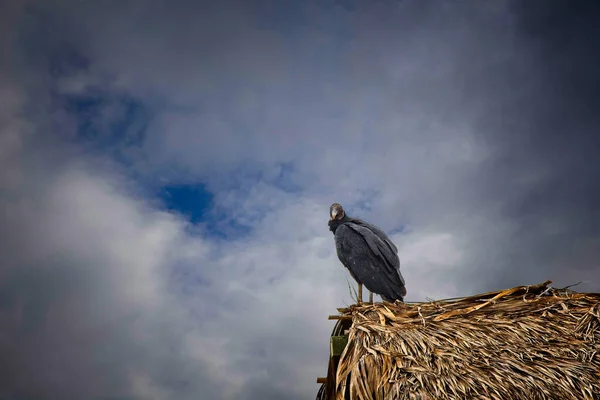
<point x="167" y="167"/>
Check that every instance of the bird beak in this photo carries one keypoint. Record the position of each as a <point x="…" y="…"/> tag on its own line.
<point x="333" y="215"/>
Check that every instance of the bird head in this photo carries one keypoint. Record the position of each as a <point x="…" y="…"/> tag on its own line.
<point x="336" y="212"/>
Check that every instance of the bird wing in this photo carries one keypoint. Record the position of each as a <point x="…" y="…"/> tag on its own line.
<point x="369" y="258"/>
<point x="381" y="249"/>
<point x="392" y="255"/>
<point x="379" y="232"/>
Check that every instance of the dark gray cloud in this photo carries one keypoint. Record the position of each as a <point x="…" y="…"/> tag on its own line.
<point x="468" y="129"/>
<point x="544" y="141"/>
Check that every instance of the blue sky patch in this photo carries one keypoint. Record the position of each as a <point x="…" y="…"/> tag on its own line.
<point x="195" y="203"/>
<point x="192" y="201"/>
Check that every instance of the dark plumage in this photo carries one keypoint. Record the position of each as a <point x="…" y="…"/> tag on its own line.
<point x="369" y="254"/>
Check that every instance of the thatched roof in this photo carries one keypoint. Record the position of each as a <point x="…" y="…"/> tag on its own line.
<point x="529" y="342"/>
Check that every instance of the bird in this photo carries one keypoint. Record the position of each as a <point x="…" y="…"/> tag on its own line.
<point x="368" y="254"/>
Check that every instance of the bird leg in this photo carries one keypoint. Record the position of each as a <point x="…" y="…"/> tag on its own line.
<point x="359" y="300"/>
<point x="370" y="297"/>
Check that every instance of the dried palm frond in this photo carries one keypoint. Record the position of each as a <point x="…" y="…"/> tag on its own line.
<point x="528" y="342"/>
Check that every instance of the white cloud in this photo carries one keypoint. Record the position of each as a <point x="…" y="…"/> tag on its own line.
<point x="144" y="388"/>
<point x="429" y="261"/>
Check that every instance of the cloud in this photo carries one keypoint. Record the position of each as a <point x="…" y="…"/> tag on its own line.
<point x="467" y="131"/>
<point x="84" y="288"/>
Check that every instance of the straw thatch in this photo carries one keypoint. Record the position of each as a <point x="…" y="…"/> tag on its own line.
<point x="529" y="342"/>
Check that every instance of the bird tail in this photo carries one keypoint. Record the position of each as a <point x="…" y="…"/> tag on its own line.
<point x="395" y="295"/>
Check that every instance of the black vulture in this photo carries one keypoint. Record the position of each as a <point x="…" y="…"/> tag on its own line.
<point x="369" y="254"/>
